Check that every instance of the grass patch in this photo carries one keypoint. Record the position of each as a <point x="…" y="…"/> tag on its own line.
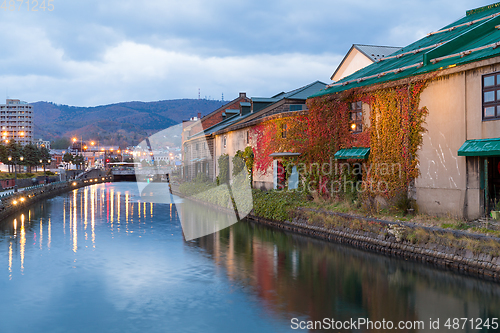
<point x="456" y="226"/>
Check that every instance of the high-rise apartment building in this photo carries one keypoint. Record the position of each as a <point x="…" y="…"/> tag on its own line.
<point x="16" y="121"/>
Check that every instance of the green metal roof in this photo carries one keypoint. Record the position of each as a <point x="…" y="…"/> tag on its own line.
<point x="352" y="153"/>
<point x="455" y="44"/>
<point x="480" y="147"/>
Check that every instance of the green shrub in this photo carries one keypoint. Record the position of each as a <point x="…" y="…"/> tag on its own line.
<point x="223" y="162"/>
<point x="277" y="205"/>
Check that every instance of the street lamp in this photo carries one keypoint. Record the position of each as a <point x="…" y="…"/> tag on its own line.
<point x="15" y="169"/>
<point x="43" y="163"/>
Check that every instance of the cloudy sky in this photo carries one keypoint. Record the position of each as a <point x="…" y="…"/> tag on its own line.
<point x="94" y="52"/>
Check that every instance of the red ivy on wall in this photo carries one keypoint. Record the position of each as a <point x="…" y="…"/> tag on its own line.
<point x="328" y="127"/>
<point x="394" y="134"/>
<point x="269" y="139"/>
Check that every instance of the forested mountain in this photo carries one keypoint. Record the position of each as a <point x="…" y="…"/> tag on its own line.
<point x="123" y="124"/>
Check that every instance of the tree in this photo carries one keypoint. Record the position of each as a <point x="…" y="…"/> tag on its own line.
<point x="45" y="154"/>
<point x="13" y="150"/>
<point x="79" y="160"/>
<point x="61" y="143"/>
<point x="3" y="154"/>
<point x="68" y="158"/>
<point x="31" y="155"/>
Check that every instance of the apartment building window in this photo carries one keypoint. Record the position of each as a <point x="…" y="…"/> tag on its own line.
<point x="283" y="131"/>
<point x="491" y="96"/>
<point x="356" y="117"/>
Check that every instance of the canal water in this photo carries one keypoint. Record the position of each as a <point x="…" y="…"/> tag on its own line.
<point x="99" y="260"/>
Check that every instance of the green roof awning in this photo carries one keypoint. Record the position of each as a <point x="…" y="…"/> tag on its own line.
<point x="480" y="147"/>
<point x="352" y="153"/>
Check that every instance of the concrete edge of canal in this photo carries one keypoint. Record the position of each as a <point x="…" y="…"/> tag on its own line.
<point x="480" y="265"/>
<point x="14" y="202"/>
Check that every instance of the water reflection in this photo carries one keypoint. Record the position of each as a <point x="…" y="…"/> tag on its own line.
<point x="100" y="252"/>
<point x="308" y="278"/>
<point x="81" y="209"/>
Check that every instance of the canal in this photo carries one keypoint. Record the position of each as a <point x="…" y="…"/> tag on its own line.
<point x="99" y="260"/>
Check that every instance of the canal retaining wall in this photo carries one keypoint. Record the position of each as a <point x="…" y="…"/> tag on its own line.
<point x="11" y="203"/>
<point x="394" y="239"/>
<point x="459" y="259"/>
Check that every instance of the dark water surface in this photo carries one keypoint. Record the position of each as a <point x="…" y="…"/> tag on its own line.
<point x="99" y="260"/>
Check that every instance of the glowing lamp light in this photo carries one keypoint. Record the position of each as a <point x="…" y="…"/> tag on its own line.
<point x="353" y="127"/>
<point x="74" y="139"/>
<point x="74" y="183"/>
<point x="14" y="202"/>
<point x="22" y="199"/>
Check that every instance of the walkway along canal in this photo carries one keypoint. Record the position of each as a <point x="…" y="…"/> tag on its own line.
<point x="99" y="259"/>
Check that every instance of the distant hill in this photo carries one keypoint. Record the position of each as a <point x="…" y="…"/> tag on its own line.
<point x="123" y="124"/>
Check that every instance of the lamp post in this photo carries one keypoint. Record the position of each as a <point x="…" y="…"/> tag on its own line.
<point x="44" y="163"/>
<point x="15" y="170"/>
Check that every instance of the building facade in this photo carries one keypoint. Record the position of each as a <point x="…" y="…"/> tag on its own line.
<point x="16" y="121"/>
<point x="459" y="155"/>
<point x="197" y="139"/>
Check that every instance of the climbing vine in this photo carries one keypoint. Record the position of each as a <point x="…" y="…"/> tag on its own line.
<point x="393" y="132"/>
<point x="396" y="134"/>
<point x="223" y="162"/>
<point x="269" y="139"/>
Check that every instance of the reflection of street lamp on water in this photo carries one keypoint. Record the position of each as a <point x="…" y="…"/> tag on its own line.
<point x="15" y="170"/>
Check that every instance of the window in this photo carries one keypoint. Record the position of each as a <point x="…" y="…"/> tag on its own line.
<point x="248" y="137"/>
<point x="296" y="107"/>
<point x="224" y="141"/>
<point x="283" y="131"/>
<point x="356" y="117"/>
<point x="491" y="96"/>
